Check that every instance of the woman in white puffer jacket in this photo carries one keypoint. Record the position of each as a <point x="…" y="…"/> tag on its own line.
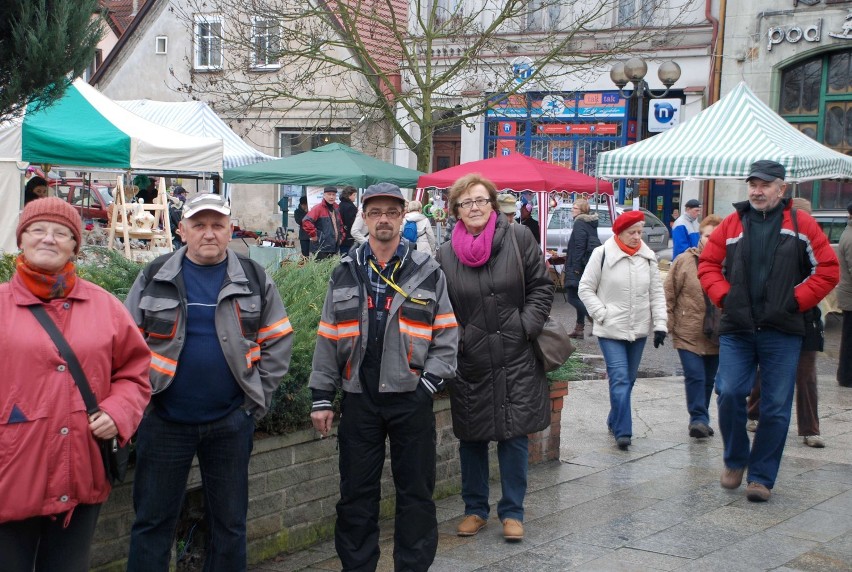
<point x="425" y="234"/>
<point x="623" y="293"/>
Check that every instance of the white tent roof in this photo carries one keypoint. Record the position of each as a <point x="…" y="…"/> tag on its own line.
<point x="722" y="142"/>
<point x="86" y="129"/>
<point x="196" y="118"/>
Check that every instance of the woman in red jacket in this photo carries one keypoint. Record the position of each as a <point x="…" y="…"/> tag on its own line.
<point x="52" y="478"/>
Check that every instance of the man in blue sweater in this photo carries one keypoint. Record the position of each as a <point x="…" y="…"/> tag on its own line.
<point x="220" y="344"/>
<point x="685" y="229"/>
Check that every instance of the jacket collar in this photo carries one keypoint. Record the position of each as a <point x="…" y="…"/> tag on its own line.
<point x="172" y="267"/>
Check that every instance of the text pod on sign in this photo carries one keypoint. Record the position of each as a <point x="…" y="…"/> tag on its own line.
<point x="794" y="34"/>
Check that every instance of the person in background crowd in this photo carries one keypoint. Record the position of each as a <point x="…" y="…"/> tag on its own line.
<point x="623" y="294"/>
<point x="807" y="415"/>
<point x="52" y="478"/>
<point x="691" y="320"/>
<point x="299" y="215"/>
<point x="147" y="189"/>
<point x="508" y="206"/>
<point x="685" y="229"/>
<point x="348" y="214"/>
<point x="390" y="342"/>
<point x="764" y="269"/>
<point x="502" y="295"/>
<point x="36" y="188"/>
<point x="528" y="221"/>
<point x="324" y="225"/>
<point x="844" y="300"/>
<point x="425" y="235"/>
<point x="674" y="217"/>
<point x="584" y="239"/>
<point x="220" y="340"/>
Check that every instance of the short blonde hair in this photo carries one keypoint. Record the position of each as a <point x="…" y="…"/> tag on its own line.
<point x="464" y="184"/>
<point x="802" y="204"/>
<point x="414" y="206"/>
<point x="583" y="205"/>
<point x="709" y="220"/>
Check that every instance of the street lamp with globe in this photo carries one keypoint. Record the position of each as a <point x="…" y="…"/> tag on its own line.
<point x="633" y="71"/>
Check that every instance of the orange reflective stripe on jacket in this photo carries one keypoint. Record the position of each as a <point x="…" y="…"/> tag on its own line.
<point x="276" y="330"/>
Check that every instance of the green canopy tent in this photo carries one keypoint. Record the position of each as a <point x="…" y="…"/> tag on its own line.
<point x="332" y="164"/>
<point x="722" y="142"/>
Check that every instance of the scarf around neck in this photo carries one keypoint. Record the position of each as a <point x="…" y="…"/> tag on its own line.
<point x="628" y="250"/>
<point x="47" y="285"/>
<point x="474" y="251"/>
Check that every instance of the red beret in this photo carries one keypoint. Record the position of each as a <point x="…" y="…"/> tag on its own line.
<point x="626" y="220"/>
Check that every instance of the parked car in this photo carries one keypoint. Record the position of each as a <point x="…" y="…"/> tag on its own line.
<point x="93" y="201"/>
<point x="833" y="224"/>
<point x="561" y="221"/>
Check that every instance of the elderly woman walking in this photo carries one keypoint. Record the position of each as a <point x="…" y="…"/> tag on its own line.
<point x="52" y="477"/>
<point x="622" y="292"/>
<point x="694" y="325"/>
<point x="501" y="295"/>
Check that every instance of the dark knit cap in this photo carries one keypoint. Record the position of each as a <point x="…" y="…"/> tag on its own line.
<point x="51" y="209"/>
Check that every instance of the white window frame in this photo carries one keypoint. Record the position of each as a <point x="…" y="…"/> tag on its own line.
<point x="446" y="10"/>
<point x="542" y="18"/>
<point x="165" y="41"/>
<point x="635" y="13"/>
<point x="270" y="38"/>
<point x="197" y="39"/>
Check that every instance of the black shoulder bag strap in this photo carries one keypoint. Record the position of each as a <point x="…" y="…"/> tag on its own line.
<point x="70" y="358"/>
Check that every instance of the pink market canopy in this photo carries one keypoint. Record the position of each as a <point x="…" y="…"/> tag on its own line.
<point x="517" y="172"/>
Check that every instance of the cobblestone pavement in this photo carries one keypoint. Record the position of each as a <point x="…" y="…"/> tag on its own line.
<point x="659" y="505"/>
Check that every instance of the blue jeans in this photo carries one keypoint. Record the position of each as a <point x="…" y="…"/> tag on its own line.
<point x="777" y="354"/>
<point x="164" y="453"/>
<point x="699" y="377"/>
<point x="513" y="456"/>
<point x="622" y="366"/>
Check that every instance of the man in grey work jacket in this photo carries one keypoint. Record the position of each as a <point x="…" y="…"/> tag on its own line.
<point x="220" y="343"/>
<point x="388" y="336"/>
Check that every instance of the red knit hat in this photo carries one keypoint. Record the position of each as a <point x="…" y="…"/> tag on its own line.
<point x="626" y="220"/>
<point x="51" y="209"/>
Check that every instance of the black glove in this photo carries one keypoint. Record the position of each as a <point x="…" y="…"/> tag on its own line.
<point x="659" y="338"/>
<point x="432" y="383"/>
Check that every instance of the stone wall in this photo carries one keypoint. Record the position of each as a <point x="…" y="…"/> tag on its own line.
<point x="293" y="488"/>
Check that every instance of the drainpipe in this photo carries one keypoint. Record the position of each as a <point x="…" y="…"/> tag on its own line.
<point x="715" y="80"/>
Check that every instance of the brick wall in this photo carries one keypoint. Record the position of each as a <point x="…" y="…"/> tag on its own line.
<point x="293" y="488"/>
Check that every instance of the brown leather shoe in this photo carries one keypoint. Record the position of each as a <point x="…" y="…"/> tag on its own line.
<point x="732" y="478"/>
<point x="756" y="492"/>
<point x="471" y="525"/>
<point x="579" y="332"/>
<point x="513" y="529"/>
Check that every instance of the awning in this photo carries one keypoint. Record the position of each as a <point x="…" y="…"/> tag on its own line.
<point x="722" y="142"/>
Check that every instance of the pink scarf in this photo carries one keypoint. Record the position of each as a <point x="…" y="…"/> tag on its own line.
<point x="474" y="251"/>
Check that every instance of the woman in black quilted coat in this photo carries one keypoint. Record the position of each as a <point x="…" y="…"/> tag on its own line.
<point x="584" y="239"/>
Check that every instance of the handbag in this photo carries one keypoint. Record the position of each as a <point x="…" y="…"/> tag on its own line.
<point x="115" y="458"/>
<point x="552" y="347"/>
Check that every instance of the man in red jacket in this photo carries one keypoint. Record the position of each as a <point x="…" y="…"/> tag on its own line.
<point x="324" y="225"/>
<point x="764" y="266"/>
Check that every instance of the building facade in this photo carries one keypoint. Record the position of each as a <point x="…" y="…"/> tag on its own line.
<point x="796" y="55"/>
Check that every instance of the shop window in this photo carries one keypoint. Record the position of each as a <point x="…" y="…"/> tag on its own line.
<point x="292" y="142"/>
<point x="816" y="98"/>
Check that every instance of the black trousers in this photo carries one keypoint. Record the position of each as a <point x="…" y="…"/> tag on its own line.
<point x="407" y="420"/>
<point x="844" y="364"/>
<point x="43" y="544"/>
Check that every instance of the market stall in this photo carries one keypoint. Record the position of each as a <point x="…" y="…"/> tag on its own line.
<point x="722" y="142"/>
<point x="520" y="173"/>
<point x="85" y="131"/>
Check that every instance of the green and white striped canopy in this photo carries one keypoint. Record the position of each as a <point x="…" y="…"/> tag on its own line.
<point x="721" y="142"/>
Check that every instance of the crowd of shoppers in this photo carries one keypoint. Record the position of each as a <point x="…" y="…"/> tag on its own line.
<point x="205" y="337"/>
